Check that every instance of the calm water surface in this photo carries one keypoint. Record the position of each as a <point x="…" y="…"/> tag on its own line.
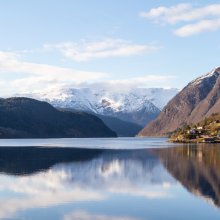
<point x="93" y="143"/>
<point x="120" y="179"/>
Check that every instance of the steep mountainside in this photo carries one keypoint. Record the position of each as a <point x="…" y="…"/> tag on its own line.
<point x="199" y="99"/>
<point x="133" y="105"/>
<point x="29" y="118"/>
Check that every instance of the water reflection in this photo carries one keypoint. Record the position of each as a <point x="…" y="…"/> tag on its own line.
<point x="58" y="183"/>
<point x="197" y="168"/>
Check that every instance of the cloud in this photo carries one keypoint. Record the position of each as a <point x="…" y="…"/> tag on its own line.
<point x="18" y="76"/>
<point x="193" y="20"/>
<point x="88" y="50"/>
<point x="169" y="15"/>
<point x="199" y="27"/>
<point x="77" y="215"/>
<point x="12" y="63"/>
<point x="38" y="75"/>
<point x="34" y="77"/>
<point x="57" y="88"/>
<point x="145" y="81"/>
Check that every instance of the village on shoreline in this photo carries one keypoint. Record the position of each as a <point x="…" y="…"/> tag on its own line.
<point x="206" y="131"/>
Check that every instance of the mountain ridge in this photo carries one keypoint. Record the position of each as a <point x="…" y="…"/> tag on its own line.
<point x="137" y="105"/>
<point x="28" y="118"/>
<point x="200" y="98"/>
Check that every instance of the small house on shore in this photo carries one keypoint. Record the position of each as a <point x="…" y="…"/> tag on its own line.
<point x="209" y="140"/>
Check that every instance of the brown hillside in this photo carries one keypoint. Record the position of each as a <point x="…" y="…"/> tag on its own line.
<point x="199" y="99"/>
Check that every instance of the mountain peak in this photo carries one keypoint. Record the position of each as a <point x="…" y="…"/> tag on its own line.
<point x="199" y="99"/>
<point x="217" y="69"/>
<point x="138" y="105"/>
<point x="215" y="73"/>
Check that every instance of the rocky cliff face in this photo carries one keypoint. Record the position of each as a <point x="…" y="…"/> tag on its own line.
<point x="199" y="99"/>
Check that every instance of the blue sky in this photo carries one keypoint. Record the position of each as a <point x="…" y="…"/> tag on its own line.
<point x="46" y="43"/>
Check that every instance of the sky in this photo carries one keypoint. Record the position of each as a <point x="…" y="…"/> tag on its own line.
<point x="138" y="43"/>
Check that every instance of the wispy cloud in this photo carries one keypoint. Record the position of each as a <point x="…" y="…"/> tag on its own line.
<point x="12" y="63"/>
<point x="143" y="80"/>
<point x="88" y="50"/>
<point x="193" y="20"/>
<point x="39" y="75"/>
<point x="199" y="27"/>
<point x="169" y="15"/>
<point x="147" y="80"/>
<point x="123" y="85"/>
<point x="35" y="77"/>
<point x="89" y="216"/>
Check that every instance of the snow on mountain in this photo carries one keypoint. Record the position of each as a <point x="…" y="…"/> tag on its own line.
<point x="139" y="105"/>
<point x="158" y="96"/>
<point x="215" y="72"/>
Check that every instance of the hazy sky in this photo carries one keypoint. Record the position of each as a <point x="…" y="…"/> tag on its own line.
<point x="46" y="43"/>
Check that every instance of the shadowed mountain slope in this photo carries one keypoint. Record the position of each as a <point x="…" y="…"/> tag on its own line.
<point x="29" y="118"/>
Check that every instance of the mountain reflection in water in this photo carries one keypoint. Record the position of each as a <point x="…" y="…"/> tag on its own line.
<point x="196" y="167"/>
<point x="70" y="183"/>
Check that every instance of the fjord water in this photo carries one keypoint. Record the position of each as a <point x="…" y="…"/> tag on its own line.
<point x="120" y="179"/>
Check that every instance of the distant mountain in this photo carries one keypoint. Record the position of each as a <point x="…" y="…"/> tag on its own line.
<point x="122" y="128"/>
<point x="199" y="99"/>
<point x="137" y="106"/>
<point x="29" y="118"/>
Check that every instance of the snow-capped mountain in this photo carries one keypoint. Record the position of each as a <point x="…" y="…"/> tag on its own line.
<point x="139" y="105"/>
